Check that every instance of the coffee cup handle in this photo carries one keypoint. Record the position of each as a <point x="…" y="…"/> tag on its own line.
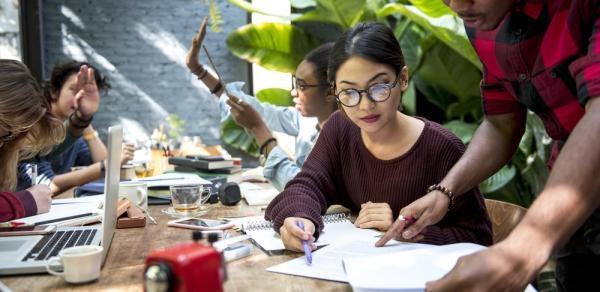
<point x="51" y="263"/>
<point x="141" y="196"/>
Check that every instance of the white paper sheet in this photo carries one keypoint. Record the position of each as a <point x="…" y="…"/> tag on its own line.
<point x="327" y="262"/>
<point x="405" y="270"/>
<point x="62" y="208"/>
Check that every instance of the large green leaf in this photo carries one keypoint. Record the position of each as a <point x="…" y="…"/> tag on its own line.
<point x="237" y="137"/>
<point x="446" y="69"/>
<point x="464" y="131"/>
<point x="434" y="8"/>
<point x="275" y="96"/>
<point x="345" y="13"/>
<point x="498" y="180"/>
<point x="275" y="46"/>
<point x="446" y="29"/>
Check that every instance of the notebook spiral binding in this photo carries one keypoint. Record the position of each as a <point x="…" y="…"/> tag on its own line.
<point x="266" y="225"/>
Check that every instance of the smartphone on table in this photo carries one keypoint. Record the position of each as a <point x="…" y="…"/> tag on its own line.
<point x="27" y="230"/>
<point x="201" y="224"/>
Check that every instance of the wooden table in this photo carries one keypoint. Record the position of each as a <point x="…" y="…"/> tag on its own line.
<point x="123" y="269"/>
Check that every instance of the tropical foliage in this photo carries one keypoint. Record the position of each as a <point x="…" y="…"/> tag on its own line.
<point x="445" y="72"/>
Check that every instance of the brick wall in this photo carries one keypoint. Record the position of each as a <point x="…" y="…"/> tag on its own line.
<point x="140" y="46"/>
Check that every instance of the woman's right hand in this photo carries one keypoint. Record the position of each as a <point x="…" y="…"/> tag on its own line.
<point x="42" y="196"/>
<point x="191" y="59"/>
<point x="127" y="150"/>
<point x="292" y="235"/>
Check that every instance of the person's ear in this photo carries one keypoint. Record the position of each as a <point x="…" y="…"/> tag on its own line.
<point x="54" y="96"/>
<point x="404" y="78"/>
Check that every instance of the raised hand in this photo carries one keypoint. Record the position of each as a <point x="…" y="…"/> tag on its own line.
<point x="191" y="59"/>
<point x="87" y="98"/>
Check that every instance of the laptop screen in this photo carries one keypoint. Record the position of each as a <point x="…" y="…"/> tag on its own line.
<point x="111" y="187"/>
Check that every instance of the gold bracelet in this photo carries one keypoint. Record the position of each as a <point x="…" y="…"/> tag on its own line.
<point x="90" y="136"/>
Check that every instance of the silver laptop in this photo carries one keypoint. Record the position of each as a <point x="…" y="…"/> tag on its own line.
<point x="30" y="254"/>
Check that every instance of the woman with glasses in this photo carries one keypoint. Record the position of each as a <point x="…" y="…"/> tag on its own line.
<point x="372" y="158"/>
<point x="311" y="95"/>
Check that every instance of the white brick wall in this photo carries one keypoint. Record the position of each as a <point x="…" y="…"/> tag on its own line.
<point x="140" y="45"/>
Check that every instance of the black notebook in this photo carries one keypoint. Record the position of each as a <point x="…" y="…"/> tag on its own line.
<point x="201" y="164"/>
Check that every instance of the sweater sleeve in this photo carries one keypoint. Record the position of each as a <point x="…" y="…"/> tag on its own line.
<point x="16" y="205"/>
<point x="467" y="221"/>
<point x="308" y="194"/>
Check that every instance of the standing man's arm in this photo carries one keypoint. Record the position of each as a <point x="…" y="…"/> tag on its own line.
<point x="570" y="196"/>
<point x="492" y="146"/>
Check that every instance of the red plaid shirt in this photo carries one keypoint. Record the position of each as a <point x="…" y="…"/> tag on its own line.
<point x="542" y="56"/>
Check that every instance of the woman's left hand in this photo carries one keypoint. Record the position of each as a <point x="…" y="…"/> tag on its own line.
<point x="375" y="215"/>
<point x="87" y="98"/>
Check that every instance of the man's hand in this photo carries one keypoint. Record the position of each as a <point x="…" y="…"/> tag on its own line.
<point x="292" y="235"/>
<point x="244" y="114"/>
<point x="375" y="215"/>
<point x="127" y="152"/>
<point x="427" y="210"/>
<point x="191" y="59"/>
<point x="42" y="196"/>
<point x="498" y="268"/>
<point x="87" y="98"/>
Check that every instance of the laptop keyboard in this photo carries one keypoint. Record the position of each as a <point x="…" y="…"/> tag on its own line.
<point x="52" y="244"/>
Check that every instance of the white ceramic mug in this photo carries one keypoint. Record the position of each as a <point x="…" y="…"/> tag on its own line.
<point x="80" y="264"/>
<point x="136" y="193"/>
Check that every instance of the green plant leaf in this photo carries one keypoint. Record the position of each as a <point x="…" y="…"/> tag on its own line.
<point x="464" y="131"/>
<point x="345" y="13"/>
<point x="275" y="46"/>
<point x="446" y="29"/>
<point x="237" y="137"/>
<point x="498" y="180"/>
<point x="275" y="96"/>
<point x="432" y="8"/>
<point x="459" y="109"/>
<point x="444" y="68"/>
<point x="535" y="174"/>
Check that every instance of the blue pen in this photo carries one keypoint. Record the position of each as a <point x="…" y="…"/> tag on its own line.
<point x="307" y="250"/>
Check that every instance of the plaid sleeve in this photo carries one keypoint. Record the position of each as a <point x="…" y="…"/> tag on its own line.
<point x="586" y="69"/>
<point x="496" y="99"/>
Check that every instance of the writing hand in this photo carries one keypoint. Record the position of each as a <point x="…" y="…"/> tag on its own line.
<point x="292" y="235"/>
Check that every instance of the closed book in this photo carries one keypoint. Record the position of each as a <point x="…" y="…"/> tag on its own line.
<point x="201" y="164"/>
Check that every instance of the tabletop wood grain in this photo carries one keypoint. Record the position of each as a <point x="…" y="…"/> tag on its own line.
<point x="123" y="269"/>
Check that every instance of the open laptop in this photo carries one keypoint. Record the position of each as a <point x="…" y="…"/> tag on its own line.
<point x="30" y="254"/>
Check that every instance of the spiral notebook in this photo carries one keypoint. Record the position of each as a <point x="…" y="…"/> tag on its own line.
<point x="338" y="228"/>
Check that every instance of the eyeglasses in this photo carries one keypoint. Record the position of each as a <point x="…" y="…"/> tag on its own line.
<point x="303" y="86"/>
<point x="379" y="92"/>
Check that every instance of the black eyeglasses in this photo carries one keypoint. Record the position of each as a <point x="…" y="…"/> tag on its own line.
<point x="303" y="86"/>
<point x="379" y="92"/>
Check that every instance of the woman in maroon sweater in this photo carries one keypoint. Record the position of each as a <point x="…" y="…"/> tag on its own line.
<point x="371" y="157"/>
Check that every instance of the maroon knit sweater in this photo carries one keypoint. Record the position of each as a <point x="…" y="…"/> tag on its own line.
<point x="341" y="170"/>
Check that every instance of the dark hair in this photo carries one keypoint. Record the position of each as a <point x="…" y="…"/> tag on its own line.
<point x="61" y="72"/>
<point x="371" y="40"/>
<point x="320" y="58"/>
